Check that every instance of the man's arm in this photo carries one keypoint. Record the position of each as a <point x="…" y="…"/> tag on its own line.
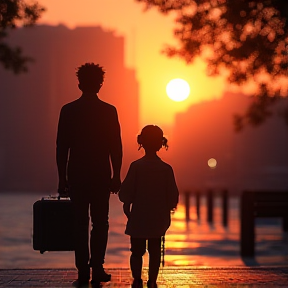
<point x="116" y="154"/>
<point x="62" y="151"/>
<point x="127" y="210"/>
<point x="116" y="161"/>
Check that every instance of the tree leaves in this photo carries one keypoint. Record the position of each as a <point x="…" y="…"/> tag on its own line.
<point x="249" y="38"/>
<point x="13" y="14"/>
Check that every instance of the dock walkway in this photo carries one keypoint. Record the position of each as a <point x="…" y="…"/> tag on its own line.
<point x="182" y="277"/>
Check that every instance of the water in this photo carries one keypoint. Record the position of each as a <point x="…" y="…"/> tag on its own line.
<point x="194" y="243"/>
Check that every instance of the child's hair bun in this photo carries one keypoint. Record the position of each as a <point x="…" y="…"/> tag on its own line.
<point x="164" y="142"/>
<point x="140" y="139"/>
<point x="151" y="135"/>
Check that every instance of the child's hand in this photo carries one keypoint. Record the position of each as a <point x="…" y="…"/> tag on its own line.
<point x="126" y="209"/>
<point x="115" y="185"/>
<point x="173" y="210"/>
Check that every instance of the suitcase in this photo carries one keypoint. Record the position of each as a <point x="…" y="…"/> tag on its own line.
<point x="53" y="225"/>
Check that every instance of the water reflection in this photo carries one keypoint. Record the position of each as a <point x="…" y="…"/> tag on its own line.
<point x="199" y="242"/>
<point x="187" y="243"/>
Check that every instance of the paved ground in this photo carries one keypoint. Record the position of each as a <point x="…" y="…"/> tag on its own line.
<point x="206" y="277"/>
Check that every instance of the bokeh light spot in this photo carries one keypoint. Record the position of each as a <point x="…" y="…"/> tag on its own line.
<point x="212" y="163"/>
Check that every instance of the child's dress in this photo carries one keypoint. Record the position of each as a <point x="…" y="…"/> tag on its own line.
<point x="151" y="189"/>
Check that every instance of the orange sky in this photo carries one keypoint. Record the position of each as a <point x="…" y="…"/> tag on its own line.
<point x="145" y="34"/>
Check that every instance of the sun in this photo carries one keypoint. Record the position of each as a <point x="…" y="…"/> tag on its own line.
<point x="178" y="89"/>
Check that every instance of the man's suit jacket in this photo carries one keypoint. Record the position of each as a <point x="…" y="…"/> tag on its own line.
<point x="88" y="134"/>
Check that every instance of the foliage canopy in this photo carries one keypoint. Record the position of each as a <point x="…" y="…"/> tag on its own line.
<point x="248" y="39"/>
<point x="13" y="14"/>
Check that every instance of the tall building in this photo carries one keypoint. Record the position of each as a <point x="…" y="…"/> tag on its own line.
<point x="30" y="103"/>
<point x="255" y="158"/>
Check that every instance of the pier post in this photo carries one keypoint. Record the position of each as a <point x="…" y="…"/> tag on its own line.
<point x="285" y="223"/>
<point x="225" y="207"/>
<point x="197" y="194"/>
<point x="247" y="231"/>
<point x="210" y="206"/>
<point x="187" y="205"/>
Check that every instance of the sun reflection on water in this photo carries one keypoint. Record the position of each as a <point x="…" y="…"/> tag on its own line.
<point x="195" y="242"/>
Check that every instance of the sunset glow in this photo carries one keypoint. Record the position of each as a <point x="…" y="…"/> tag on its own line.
<point x="151" y="78"/>
<point x="178" y="89"/>
<point x="145" y="35"/>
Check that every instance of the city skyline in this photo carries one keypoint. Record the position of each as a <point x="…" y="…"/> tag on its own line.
<point x="146" y="34"/>
<point x="31" y="103"/>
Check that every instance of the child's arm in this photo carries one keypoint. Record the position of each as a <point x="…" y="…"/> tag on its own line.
<point x="173" y="193"/>
<point x="127" y="189"/>
<point x="126" y="209"/>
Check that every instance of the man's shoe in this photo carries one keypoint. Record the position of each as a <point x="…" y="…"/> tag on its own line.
<point x="96" y="284"/>
<point x="99" y="275"/>
<point x="137" y="283"/>
<point x="151" y="284"/>
<point x="83" y="278"/>
<point x="80" y="284"/>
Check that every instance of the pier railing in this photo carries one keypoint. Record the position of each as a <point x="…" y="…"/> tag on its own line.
<point x="210" y="194"/>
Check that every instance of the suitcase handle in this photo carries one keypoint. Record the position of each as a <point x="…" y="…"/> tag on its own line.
<point x="66" y="197"/>
<point x="50" y="197"/>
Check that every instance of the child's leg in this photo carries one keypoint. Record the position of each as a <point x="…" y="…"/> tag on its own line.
<point x="154" y="249"/>
<point x="138" y="249"/>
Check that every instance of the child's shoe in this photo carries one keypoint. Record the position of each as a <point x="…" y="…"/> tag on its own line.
<point x="137" y="283"/>
<point x="151" y="284"/>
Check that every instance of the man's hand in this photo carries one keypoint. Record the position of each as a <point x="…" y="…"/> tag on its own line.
<point x="126" y="209"/>
<point x="115" y="185"/>
<point x="63" y="190"/>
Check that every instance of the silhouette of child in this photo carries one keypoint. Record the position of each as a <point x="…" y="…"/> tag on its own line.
<point x="149" y="193"/>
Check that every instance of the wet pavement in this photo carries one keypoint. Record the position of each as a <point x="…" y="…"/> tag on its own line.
<point x="182" y="277"/>
<point x="197" y="254"/>
<point x="194" y="243"/>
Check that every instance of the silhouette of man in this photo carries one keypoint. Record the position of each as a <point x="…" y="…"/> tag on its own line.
<point x="88" y="140"/>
